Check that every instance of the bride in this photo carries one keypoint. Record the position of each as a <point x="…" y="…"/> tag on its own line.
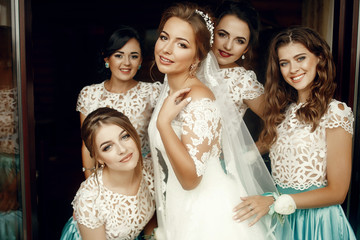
<point x="188" y="133"/>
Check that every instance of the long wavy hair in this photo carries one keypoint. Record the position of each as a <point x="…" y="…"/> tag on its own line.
<point x="279" y="94"/>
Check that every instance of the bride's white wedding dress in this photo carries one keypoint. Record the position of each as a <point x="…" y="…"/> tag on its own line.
<point x="206" y="211"/>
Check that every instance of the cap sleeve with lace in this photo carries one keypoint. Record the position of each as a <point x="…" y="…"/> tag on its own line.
<point x="339" y="115"/>
<point x="88" y="98"/>
<point x="85" y="206"/>
<point x="201" y="130"/>
<point x="243" y="85"/>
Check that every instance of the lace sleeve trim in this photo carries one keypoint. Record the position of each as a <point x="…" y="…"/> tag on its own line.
<point x="340" y="115"/>
<point x="201" y="130"/>
<point x="246" y="84"/>
<point x="253" y="88"/>
<point x="86" y="98"/>
<point x="84" y="203"/>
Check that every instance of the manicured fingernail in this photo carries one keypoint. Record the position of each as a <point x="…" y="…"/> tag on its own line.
<point x="188" y="99"/>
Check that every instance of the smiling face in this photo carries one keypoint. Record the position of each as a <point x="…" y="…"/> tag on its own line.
<point x="298" y="67"/>
<point x="232" y="37"/>
<point x="115" y="148"/>
<point x="175" y="49"/>
<point x="124" y="62"/>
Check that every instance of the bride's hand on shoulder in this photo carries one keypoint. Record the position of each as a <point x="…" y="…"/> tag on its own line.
<point x="257" y="206"/>
<point x="172" y="105"/>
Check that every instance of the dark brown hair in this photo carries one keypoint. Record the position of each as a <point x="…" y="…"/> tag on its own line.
<point x="244" y="11"/>
<point x="279" y="94"/>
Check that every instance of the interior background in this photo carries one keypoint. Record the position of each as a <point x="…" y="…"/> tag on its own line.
<point x="66" y="37"/>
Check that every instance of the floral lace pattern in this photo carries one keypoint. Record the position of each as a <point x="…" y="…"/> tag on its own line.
<point x="123" y="216"/>
<point x="201" y="130"/>
<point x="243" y="85"/>
<point x="298" y="158"/>
<point x="8" y="121"/>
<point x="137" y="104"/>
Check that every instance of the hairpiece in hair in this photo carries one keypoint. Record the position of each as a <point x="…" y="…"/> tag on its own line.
<point x="209" y="24"/>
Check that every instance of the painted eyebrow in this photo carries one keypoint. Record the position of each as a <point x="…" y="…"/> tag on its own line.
<point x="104" y="143"/>
<point x="296" y="56"/>
<point x="124" y="53"/>
<point x="179" y="38"/>
<point x="223" y="30"/>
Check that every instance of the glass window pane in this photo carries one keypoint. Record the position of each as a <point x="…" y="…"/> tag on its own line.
<point x="10" y="188"/>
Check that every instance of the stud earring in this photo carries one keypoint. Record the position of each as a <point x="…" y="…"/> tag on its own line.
<point x="107" y="65"/>
<point x="243" y="57"/>
<point x="139" y="67"/>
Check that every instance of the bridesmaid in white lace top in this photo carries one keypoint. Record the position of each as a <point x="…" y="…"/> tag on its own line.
<point x="236" y="33"/>
<point x="310" y="137"/>
<point x="117" y="200"/>
<point x="123" y="57"/>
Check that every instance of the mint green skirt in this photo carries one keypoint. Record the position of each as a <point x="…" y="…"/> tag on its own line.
<point x="327" y="223"/>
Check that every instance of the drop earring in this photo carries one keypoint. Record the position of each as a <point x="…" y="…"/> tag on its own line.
<point x="107" y="65"/>
<point x="243" y="57"/>
<point x="139" y="67"/>
<point x="193" y="69"/>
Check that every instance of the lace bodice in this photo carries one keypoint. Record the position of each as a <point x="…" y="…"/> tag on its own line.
<point x="123" y="216"/>
<point x="243" y="85"/>
<point x="137" y="104"/>
<point x="8" y="121"/>
<point x="298" y="157"/>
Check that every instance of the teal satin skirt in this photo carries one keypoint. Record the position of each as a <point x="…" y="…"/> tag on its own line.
<point x="10" y="225"/>
<point x="327" y="223"/>
<point x="10" y="197"/>
<point x="70" y="231"/>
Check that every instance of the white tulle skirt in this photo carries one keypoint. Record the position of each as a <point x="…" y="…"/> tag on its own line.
<point x="206" y="212"/>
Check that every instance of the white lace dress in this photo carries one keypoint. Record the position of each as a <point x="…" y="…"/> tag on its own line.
<point x="206" y="211"/>
<point x="137" y="104"/>
<point x="243" y="85"/>
<point x="123" y="216"/>
<point x="298" y="163"/>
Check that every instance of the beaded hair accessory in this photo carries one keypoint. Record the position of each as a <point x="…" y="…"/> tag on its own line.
<point x="209" y="24"/>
